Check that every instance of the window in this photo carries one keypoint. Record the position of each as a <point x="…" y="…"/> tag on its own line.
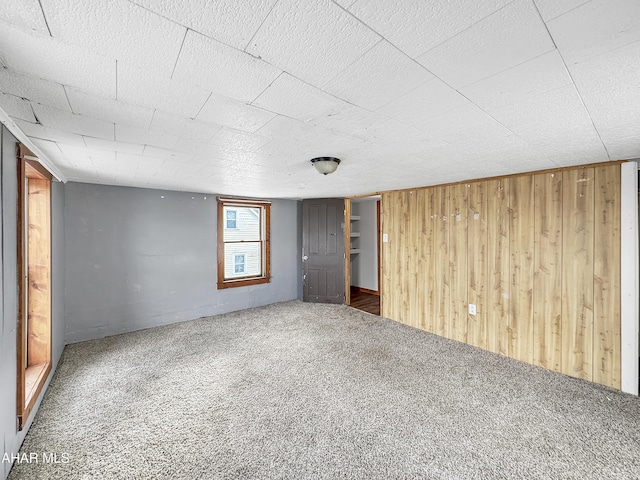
<point x="243" y="242"/>
<point x="239" y="262"/>
<point x="232" y="219"/>
<point x="34" y="281"/>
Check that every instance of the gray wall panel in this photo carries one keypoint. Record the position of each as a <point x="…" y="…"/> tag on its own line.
<point x="11" y="438"/>
<point x="139" y="258"/>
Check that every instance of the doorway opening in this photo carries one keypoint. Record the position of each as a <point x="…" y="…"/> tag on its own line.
<point x="364" y="254"/>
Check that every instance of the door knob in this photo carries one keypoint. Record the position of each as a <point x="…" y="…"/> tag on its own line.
<point x="305" y="258"/>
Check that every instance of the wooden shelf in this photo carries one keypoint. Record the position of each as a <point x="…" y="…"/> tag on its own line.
<point x="355" y="217"/>
<point x="354" y="250"/>
<point x="355" y="234"/>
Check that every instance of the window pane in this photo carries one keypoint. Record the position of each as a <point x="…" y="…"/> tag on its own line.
<point x="247" y="224"/>
<point x="231" y="218"/>
<point x="235" y="253"/>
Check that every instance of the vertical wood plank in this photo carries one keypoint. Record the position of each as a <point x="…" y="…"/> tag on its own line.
<point x="440" y="270"/>
<point x="458" y="262"/>
<point x="521" y="245"/>
<point x="547" y="326"/>
<point x="39" y="272"/>
<point x="577" y="272"/>
<point x="387" y="293"/>
<point x="425" y="246"/>
<point x="477" y="263"/>
<point x="606" y="274"/>
<point x="429" y="249"/>
<point x="499" y="261"/>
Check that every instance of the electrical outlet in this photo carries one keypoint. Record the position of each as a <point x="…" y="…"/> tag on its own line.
<point x="472" y="309"/>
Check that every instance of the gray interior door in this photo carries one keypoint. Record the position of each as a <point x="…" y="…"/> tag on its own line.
<point x="323" y="250"/>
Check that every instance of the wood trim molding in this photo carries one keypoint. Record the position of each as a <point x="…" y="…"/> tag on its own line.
<point x="243" y="282"/>
<point x="347" y="251"/>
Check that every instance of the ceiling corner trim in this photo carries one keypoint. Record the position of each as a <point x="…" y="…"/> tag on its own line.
<point x="42" y="158"/>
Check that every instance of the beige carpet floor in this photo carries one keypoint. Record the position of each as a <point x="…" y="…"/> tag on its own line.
<point x="297" y="390"/>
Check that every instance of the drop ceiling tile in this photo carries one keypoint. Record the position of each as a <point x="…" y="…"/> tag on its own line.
<point x="346" y="119"/>
<point x="427" y="101"/>
<point x="228" y="21"/>
<point x="187" y="128"/>
<point x="608" y="85"/>
<point x="80" y="124"/>
<point x="470" y="128"/>
<point x="25" y="14"/>
<point x="596" y="28"/>
<point x="233" y="114"/>
<point x="100" y="144"/>
<point x="379" y="76"/>
<point x="147" y="89"/>
<point x="109" y="110"/>
<point x="284" y="127"/>
<point x="78" y="152"/>
<point x="167" y="154"/>
<point x="35" y="130"/>
<point x="50" y="59"/>
<point x="297" y="30"/>
<point x="47" y="146"/>
<point x="509" y="37"/>
<point x="117" y="29"/>
<point x="544" y="73"/>
<point x="239" y="140"/>
<point x="16" y="107"/>
<point x="222" y="69"/>
<point x="555" y="114"/>
<point x="416" y="27"/>
<point x="294" y="98"/>
<point x="34" y="89"/>
<point x="141" y="136"/>
<point x="550" y="9"/>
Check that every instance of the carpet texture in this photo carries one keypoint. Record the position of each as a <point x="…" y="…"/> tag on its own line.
<point x="297" y="390"/>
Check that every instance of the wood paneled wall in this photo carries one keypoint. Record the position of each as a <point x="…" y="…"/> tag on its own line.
<point x="538" y="254"/>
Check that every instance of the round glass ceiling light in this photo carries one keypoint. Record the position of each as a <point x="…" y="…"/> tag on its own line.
<point x="325" y="165"/>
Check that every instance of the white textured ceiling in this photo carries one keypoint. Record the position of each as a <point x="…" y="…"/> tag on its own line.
<point x="235" y="97"/>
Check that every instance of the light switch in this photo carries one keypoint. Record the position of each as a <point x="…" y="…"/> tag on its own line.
<point x="385" y="237"/>
<point x="472" y="309"/>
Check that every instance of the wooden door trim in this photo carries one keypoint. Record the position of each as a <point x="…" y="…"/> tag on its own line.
<point x="347" y="251"/>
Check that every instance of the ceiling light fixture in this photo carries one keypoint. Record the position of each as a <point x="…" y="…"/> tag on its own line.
<point x="325" y="165"/>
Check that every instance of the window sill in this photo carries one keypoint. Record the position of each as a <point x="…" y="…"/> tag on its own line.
<point x="243" y="282"/>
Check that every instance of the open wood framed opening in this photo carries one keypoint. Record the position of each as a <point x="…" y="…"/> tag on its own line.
<point x="34" y="281"/>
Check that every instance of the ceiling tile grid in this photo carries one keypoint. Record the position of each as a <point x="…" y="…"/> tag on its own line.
<point x="509" y="37"/>
<point x="379" y="76"/>
<point x="70" y="122"/>
<point x="293" y="98"/>
<point x="33" y="89"/>
<point x="17" y="107"/>
<point x="228" y="21"/>
<point x="150" y="90"/>
<point x="299" y="30"/>
<point x="109" y="110"/>
<point x="217" y="67"/>
<point x="416" y="27"/>
<point x="194" y="95"/>
<point x="25" y="14"/>
<point x="116" y="29"/>
<point x="50" y="59"/>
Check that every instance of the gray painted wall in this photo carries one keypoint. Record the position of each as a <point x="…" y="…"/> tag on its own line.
<point x="11" y="439"/>
<point x="139" y="258"/>
<point x="364" y="265"/>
